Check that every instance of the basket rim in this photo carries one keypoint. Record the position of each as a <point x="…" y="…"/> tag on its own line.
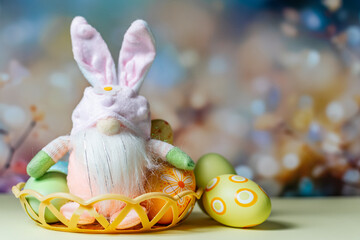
<point x="18" y="191"/>
<point x="71" y="225"/>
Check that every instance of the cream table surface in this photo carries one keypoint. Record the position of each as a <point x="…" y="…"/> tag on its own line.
<point x="291" y="218"/>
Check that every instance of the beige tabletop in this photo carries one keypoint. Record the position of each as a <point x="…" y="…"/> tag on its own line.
<point x="312" y="218"/>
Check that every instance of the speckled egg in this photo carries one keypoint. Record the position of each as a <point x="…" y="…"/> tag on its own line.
<point x="236" y="201"/>
<point x="161" y="130"/>
<point x="172" y="181"/>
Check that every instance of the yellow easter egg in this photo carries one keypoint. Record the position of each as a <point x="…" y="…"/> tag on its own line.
<point x="172" y="181"/>
<point x="161" y="130"/>
<point x="236" y="201"/>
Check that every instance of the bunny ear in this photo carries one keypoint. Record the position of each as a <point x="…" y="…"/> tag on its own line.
<point x="136" y="55"/>
<point x="92" y="54"/>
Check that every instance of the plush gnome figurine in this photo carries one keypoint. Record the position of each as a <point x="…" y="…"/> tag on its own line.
<point x="110" y="146"/>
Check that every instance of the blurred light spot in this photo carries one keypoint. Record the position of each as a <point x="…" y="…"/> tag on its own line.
<point x="306" y="187"/>
<point x="333" y="137"/>
<point x="312" y="19"/>
<point x="245" y="171"/>
<point x="318" y="171"/>
<point x="313" y="59"/>
<point x="17" y="72"/>
<point x="198" y="99"/>
<point x="267" y="166"/>
<point x="12" y="116"/>
<point x="332" y="5"/>
<point x="332" y="142"/>
<point x="288" y="30"/>
<point x="189" y="58"/>
<point x="315" y="132"/>
<point x="335" y="112"/>
<point x="4" y="78"/>
<point x="291" y="161"/>
<point x="353" y="36"/>
<point x="60" y="80"/>
<point x="330" y="148"/>
<point x="258" y="107"/>
<point x="166" y="70"/>
<point x="352" y="176"/>
<point x="291" y="15"/>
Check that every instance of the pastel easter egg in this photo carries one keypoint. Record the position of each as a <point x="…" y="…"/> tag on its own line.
<point x="161" y="130"/>
<point x="60" y="166"/>
<point x="236" y="201"/>
<point x="50" y="182"/>
<point x="209" y="166"/>
<point x="172" y="181"/>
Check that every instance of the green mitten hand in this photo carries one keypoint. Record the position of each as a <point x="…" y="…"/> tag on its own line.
<point x="179" y="159"/>
<point x="38" y="166"/>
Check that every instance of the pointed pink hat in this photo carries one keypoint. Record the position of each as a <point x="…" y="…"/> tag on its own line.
<point x="113" y="95"/>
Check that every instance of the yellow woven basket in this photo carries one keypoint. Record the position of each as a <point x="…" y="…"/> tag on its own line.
<point x="102" y="225"/>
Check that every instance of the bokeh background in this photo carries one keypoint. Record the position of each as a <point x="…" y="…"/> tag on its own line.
<point x="274" y="86"/>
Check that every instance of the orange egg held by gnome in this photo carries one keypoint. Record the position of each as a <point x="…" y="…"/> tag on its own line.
<point x="168" y="179"/>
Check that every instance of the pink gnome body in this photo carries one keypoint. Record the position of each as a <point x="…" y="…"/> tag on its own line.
<point x="110" y="146"/>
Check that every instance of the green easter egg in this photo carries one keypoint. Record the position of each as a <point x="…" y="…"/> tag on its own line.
<point x="209" y="166"/>
<point x="236" y="201"/>
<point x="51" y="182"/>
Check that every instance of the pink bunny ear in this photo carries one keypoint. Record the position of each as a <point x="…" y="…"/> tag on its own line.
<point x="136" y="55"/>
<point x="92" y="54"/>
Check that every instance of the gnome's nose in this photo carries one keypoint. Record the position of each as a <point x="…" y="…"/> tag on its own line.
<point x="109" y="126"/>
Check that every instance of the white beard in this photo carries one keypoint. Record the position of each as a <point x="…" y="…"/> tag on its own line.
<point x="115" y="164"/>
